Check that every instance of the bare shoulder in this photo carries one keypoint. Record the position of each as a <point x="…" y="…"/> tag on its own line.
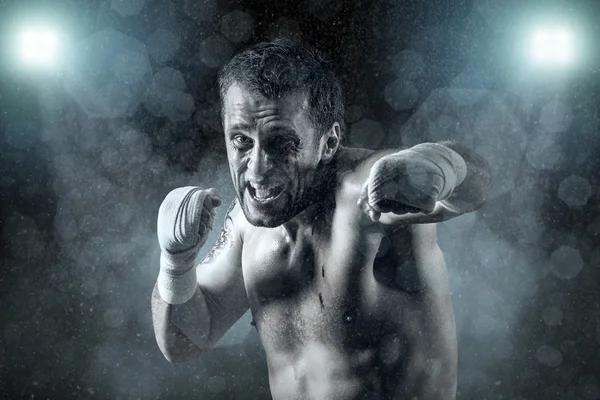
<point x="349" y="157"/>
<point x="355" y="163"/>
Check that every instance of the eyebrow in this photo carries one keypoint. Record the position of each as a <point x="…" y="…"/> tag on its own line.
<point x="240" y="127"/>
<point x="282" y="129"/>
<point x="287" y="131"/>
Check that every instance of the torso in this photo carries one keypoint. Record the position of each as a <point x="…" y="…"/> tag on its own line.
<point x="345" y="312"/>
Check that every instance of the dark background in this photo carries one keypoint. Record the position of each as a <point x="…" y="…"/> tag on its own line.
<point x="89" y="150"/>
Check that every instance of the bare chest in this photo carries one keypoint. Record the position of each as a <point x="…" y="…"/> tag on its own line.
<point x="315" y="286"/>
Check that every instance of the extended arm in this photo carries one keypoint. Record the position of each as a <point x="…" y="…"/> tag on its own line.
<point x="429" y="182"/>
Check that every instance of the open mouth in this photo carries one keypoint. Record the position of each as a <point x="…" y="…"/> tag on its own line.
<point x="265" y="193"/>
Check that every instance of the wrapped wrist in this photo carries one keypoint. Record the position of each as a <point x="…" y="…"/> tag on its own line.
<point x="177" y="277"/>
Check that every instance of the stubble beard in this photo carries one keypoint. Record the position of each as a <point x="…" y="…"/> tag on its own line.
<point x="317" y="188"/>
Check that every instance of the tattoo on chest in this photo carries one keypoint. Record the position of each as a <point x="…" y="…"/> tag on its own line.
<point x="224" y="240"/>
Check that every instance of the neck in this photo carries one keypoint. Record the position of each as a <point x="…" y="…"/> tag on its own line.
<point x="316" y="200"/>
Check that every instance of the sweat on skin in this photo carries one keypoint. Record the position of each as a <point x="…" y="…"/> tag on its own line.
<point x="332" y="249"/>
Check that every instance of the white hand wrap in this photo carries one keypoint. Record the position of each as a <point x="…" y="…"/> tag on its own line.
<point x="179" y="226"/>
<point x="452" y="165"/>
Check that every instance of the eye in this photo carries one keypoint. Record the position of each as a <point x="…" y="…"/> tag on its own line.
<point x="284" y="144"/>
<point x="242" y="142"/>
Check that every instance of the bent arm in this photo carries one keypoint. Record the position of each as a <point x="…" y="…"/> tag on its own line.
<point x="175" y="345"/>
<point x="184" y="331"/>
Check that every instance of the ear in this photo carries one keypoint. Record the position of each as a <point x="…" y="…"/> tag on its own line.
<point x="330" y="142"/>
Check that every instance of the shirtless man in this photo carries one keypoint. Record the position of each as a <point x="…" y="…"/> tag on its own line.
<point x="333" y="249"/>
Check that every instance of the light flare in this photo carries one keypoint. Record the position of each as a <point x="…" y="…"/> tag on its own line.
<point x="552" y="46"/>
<point x="39" y="46"/>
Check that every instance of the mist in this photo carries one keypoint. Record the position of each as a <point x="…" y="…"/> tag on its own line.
<point x="86" y="158"/>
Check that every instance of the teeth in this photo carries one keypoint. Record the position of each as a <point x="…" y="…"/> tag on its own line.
<point x="258" y="187"/>
<point x="262" y="194"/>
<point x="265" y="192"/>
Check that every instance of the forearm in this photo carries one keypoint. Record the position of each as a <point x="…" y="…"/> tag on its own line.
<point x="472" y="192"/>
<point x="181" y="330"/>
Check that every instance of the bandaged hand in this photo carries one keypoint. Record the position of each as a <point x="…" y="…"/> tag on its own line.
<point x="185" y="219"/>
<point x="412" y="180"/>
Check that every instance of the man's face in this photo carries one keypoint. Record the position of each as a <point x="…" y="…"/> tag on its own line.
<point x="273" y="153"/>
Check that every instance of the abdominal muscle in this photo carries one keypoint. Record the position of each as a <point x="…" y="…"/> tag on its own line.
<point x="312" y="353"/>
<point x="320" y="372"/>
<point x="398" y="349"/>
<point x="404" y="358"/>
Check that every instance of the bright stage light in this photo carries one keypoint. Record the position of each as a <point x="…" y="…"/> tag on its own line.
<point x="39" y="47"/>
<point x="552" y="46"/>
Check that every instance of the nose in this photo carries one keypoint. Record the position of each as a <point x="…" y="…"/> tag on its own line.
<point x="259" y="164"/>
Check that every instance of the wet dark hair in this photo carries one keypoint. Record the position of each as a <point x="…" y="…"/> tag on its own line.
<point x="283" y="66"/>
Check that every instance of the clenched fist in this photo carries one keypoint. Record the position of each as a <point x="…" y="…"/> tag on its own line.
<point x="412" y="180"/>
<point x="185" y="219"/>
